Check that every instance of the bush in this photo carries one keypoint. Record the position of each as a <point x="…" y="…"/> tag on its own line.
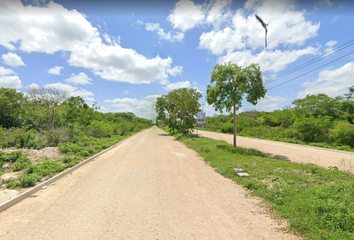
<point x="47" y="168"/>
<point x="10" y="157"/>
<point x="29" y="180"/>
<point x="21" y="163"/>
<point x="227" y="128"/>
<point x="313" y="129"/>
<point x="343" y="133"/>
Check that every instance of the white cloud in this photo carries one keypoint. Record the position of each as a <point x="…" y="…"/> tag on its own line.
<point x="175" y="71"/>
<point x="330" y="82"/>
<point x="43" y="29"/>
<point x="71" y="90"/>
<point x="287" y="26"/>
<point x="186" y="15"/>
<point x="55" y="70"/>
<point x="177" y="37"/>
<point x="80" y="78"/>
<point x="330" y="45"/>
<point x="125" y="92"/>
<point x="13" y="60"/>
<point x="7" y="81"/>
<point x="103" y="110"/>
<point x="326" y="2"/>
<point x="270" y="60"/>
<point x="172" y="86"/>
<point x="115" y="63"/>
<point x="218" y="12"/>
<point x="144" y="108"/>
<point x="270" y="103"/>
<point x="210" y="111"/>
<point x="107" y="38"/>
<point x="89" y="100"/>
<point x="52" y="28"/>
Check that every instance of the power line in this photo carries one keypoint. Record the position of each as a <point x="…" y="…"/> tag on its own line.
<point x="311" y="71"/>
<point x="308" y="63"/>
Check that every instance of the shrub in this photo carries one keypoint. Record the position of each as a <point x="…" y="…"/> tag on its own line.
<point x="227" y="128"/>
<point x="83" y="153"/>
<point x="313" y="129"/>
<point x="10" y="157"/>
<point x="21" y="163"/>
<point x="29" y="180"/>
<point x="343" y="133"/>
<point x="47" y="168"/>
<point x="13" y="184"/>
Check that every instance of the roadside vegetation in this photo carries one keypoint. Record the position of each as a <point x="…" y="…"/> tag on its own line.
<point x="69" y="123"/>
<point x="316" y="120"/>
<point x="178" y="109"/>
<point x="316" y="202"/>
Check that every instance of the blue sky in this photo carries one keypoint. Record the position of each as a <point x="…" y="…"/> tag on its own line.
<point x="124" y="54"/>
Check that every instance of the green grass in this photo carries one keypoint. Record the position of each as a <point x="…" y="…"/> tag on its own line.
<point x="317" y="202"/>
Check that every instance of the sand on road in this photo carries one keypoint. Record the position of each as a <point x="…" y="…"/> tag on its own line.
<point x="292" y="152"/>
<point x="149" y="187"/>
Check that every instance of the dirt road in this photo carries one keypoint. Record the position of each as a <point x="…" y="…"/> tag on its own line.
<point x="149" y="187"/>
<point x="293" y="152"/>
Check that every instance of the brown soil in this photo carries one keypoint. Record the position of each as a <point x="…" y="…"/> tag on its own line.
<point x="36" y="156"/>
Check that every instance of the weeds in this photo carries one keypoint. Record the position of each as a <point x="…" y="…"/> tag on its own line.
<point x="317" y="202"/>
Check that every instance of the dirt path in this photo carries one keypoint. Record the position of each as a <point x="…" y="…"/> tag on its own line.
<point x="149" y="187"/>
<point x="293" y="152"/>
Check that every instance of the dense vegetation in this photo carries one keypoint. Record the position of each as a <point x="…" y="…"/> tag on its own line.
<point x="178" y="108"/>
<point x="317" y="120"/>
<point x="317" y="202"/>
<point x="79" y="130"/>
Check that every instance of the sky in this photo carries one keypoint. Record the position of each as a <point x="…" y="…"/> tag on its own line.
<point x="122" y="55"/>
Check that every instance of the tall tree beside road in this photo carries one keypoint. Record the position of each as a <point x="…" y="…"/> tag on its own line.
<point x="232" y="82"/>
<point x="178" y="108"/>
<point x="47" y="99"/>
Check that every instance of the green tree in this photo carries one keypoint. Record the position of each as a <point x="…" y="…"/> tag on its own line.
<point x="232" y="82"/>
<point x="318" y="105"/>
<point x="11" y="107"/>
<point x="178" y="108"/>
<point x="161" y="109"/>
<point x="47" y="99"/>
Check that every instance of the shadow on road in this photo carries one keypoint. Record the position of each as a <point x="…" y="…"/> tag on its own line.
<point x="164" y="134"/>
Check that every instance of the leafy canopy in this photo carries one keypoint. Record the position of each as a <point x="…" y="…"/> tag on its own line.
<point x="232" y="82"/>
<point x="178" y="108"/>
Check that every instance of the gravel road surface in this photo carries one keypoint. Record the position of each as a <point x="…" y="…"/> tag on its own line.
<point x="149" y="187"/>
<point x="292" y="152"/>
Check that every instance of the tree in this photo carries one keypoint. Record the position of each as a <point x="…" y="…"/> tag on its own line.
<point x="232" y="82"/>
<point x="47" y="99"/>
<point x="11" y="107"/>
<point x="160" y="109"/>
<point x="178" y="108"/>
<point x="318" y="105"/>
<point x="77" y="110"/>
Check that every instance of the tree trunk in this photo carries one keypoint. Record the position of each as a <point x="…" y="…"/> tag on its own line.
<point x="53" y="116"/>
<point x="234" y="125"/>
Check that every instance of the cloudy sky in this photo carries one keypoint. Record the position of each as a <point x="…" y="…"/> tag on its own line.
<point x="123" y="54"/>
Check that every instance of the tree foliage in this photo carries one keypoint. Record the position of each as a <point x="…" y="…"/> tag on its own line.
<point x="47" y="99"/>
<point x="11" y="109"/>
<point x="317" y="119"/>
<point x="178" y="108"/>
<point x="231" y="84"/>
